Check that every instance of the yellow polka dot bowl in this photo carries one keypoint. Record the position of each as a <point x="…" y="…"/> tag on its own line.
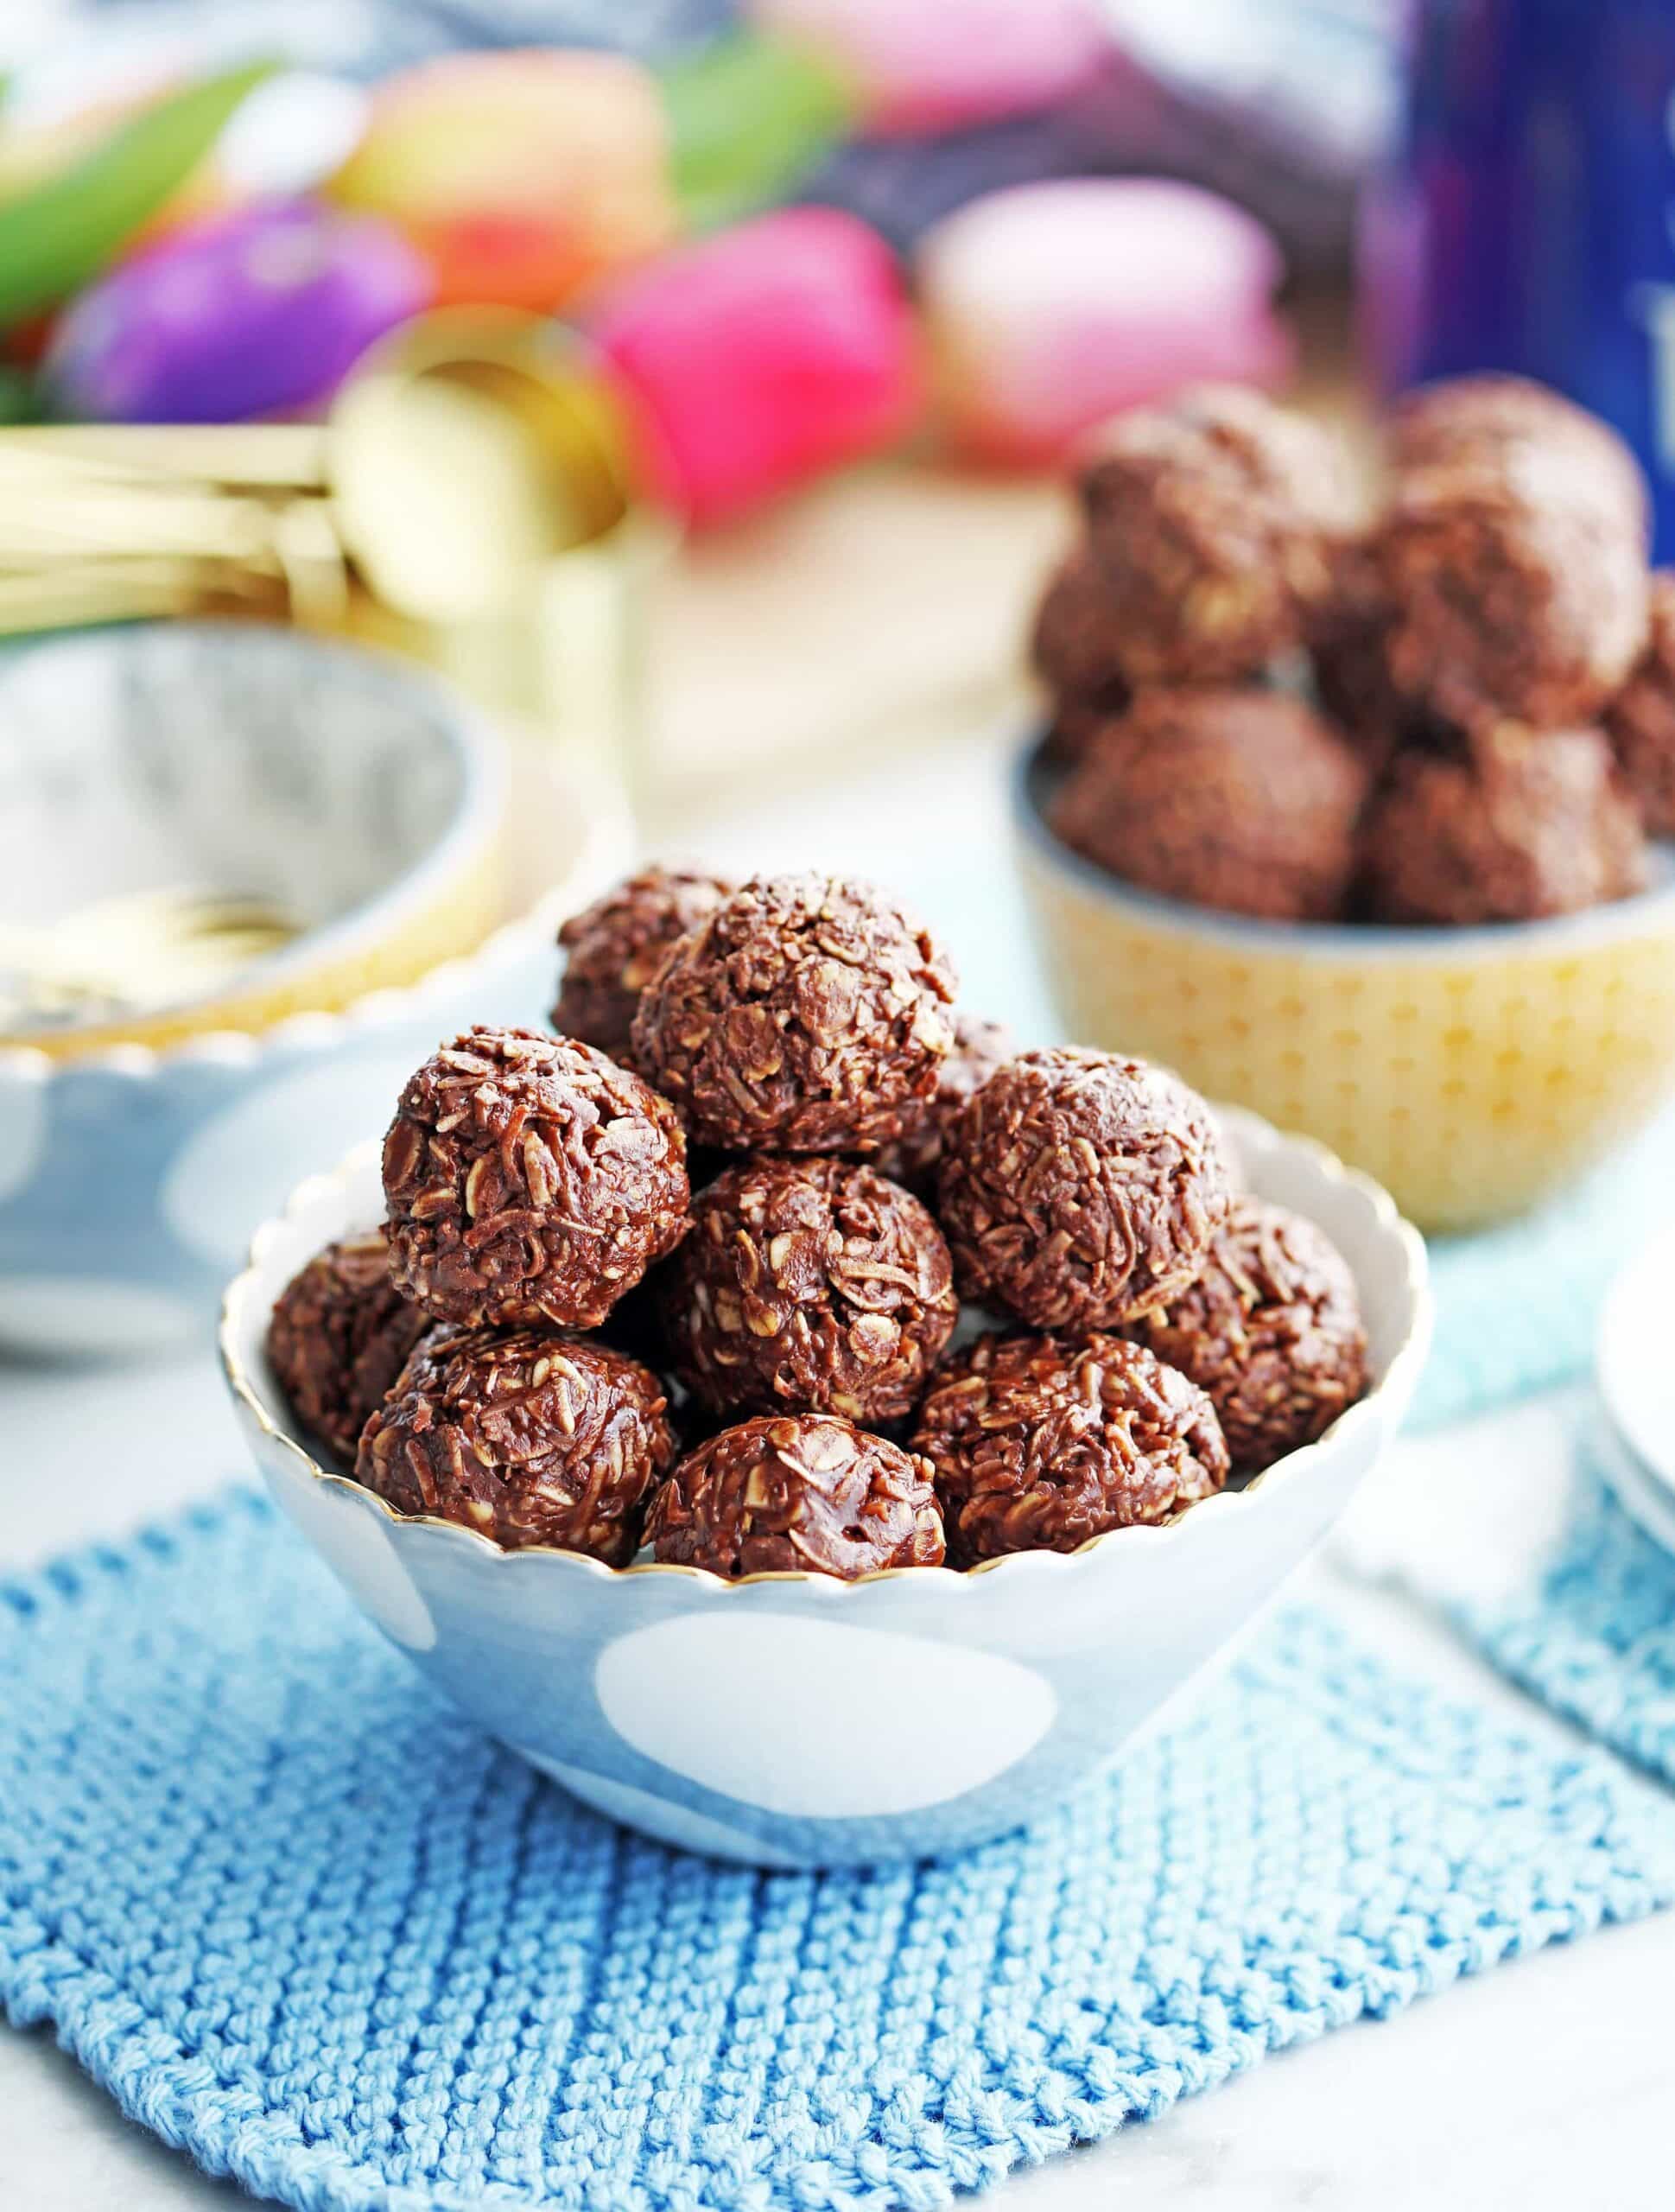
<point x="1472" y="1072"/>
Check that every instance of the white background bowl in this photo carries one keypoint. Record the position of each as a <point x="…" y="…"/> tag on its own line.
<point x="131" y="1179"/>
<point x="241" y="757"/>
<point x="796" y="1721"/>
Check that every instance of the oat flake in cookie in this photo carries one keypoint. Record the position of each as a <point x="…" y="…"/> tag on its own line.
<point x="526" y="1437"/>
<point x="808" y="1285"/>
<point x="530" y="1179"/>
<point x="804" y="1493"/>
<point x="804" y="1014"/>
<point x="1079" y="1190"/>
<point x="1272" y="1329"/>
<point x="1040" y="1442"/>
<point x="339" y="1336"/>
<point x="614" y="945"/>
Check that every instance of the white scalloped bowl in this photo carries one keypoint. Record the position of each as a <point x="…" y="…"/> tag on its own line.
<point x="793" y="1720"/>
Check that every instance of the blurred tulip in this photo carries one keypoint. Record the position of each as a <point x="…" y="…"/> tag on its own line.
<point x="925" y="65"/>
<point x="256" y="313"/>
<point x="521" y="175"/>
<point x="72" y="199"/>
<point x="762" y="356"/>
<point x="1050" y="306"/>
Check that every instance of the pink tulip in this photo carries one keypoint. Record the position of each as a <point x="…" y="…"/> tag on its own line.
<point x="760" y="357"/>
<point x="1051" y="305"/>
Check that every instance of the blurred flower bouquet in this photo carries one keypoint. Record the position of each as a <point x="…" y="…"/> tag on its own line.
<point x="225" y="247"/>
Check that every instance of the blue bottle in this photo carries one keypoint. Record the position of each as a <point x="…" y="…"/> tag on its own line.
<point x="1526" y="219"/>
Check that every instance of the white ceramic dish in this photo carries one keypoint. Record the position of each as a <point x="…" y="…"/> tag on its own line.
<point x="1632" y="1364"/>
<point x="329" y="783"/>
<point x="1638" y="1489"/>
<point x="132" y="1177"/>
<point x="796" y="1720"/>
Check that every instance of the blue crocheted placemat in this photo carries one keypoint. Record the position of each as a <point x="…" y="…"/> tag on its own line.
<point x="314" y="1929"/>
<point x="1594" y="1635"/>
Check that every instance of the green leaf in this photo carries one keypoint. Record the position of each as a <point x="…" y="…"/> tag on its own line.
<point x="59" y="234"/>
<point x="749" y="119"/>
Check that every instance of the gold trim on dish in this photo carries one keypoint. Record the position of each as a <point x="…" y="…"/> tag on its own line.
<point x="604" y="848"/>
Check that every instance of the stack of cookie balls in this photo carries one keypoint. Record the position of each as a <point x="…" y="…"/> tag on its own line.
<point x="554" y="1341"/>
<point x="1459" y="710"/>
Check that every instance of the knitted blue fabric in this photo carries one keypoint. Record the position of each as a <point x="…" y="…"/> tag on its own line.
<point x="1594" y="1638"/>
<point x="312" y="1927"/>
<point x="1516" y="1307"/>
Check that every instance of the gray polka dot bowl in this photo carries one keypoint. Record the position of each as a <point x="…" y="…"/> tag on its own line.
<point x="427" y="863"/>
<point x="794" y="1720"/>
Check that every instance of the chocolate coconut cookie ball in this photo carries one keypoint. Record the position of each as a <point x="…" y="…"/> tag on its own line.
<point x="808" y="1285"/>
<point x="614" y="944"/>
<point x="339" y="1336"/>
<point x="806" y="1493"/>
<point x="1040" y="1442"/>
<point x="524" y="1436"/>
<point x="980" y="1047"/>
<point x="1522" y="824"/>
<point x="804" y="1014"/>
<point x="1071" y="650"/>
<point x="1349" y="650"/>
<point x="1640" y="721"/>
<point x="1242" y="800"/>
<point x="530" y="1179"/>
<point x="1270" y="1330"/>
<point x="1212" y="523"/>
<point x="1500" y="412"/>
<point x="1076" y="723"/>
<point x="1079" y="1191"/>
<point x="1074" y="646"/>
<point x="1514" y="568"/>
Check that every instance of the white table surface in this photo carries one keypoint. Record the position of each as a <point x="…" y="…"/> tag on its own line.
<point x="1545" y="2085"/>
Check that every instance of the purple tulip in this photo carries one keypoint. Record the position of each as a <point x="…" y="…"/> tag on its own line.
<point x="259" y="312"/>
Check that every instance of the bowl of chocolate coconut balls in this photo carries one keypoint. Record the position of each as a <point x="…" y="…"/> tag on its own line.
<point x="1355" y="811"/>
<point x="806" y="1425"/>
